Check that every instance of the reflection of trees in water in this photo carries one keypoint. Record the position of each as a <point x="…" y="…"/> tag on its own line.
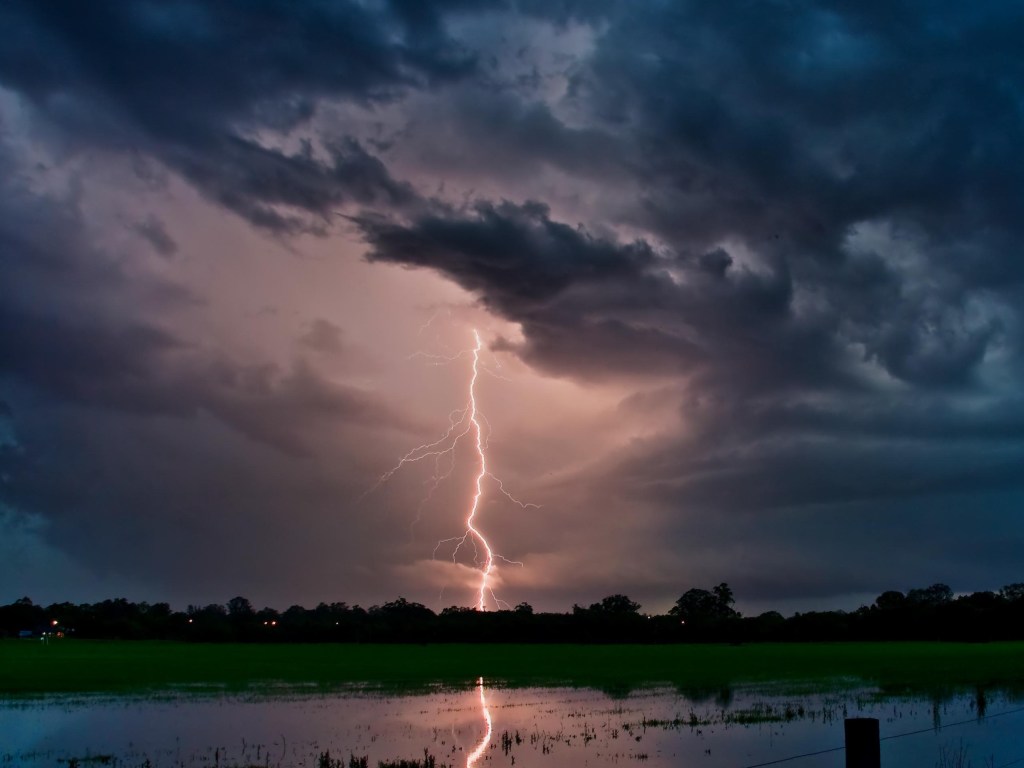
<point x="482" y="746"/>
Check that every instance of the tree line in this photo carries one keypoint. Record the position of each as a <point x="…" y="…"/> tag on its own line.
<point x="699" y="615"/>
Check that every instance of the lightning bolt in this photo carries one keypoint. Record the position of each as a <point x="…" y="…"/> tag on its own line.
<point x="482" y="746"/>
<point x="488" y="566"/>
<point x="463" y="422"/>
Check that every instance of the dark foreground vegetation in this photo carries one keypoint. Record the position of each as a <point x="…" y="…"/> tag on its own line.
<point x="931" y="613"/>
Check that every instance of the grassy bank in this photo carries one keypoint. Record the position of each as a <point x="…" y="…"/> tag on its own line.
<point x="75" y="666"/>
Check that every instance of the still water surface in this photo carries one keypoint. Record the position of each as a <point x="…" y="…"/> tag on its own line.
<point x="493" y="726"/>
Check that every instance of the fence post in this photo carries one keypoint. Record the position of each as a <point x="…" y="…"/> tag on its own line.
<point x="863" y="747"/>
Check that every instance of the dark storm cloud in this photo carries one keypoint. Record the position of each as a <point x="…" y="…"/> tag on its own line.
<point x="597" y="307"/>
<point x="69" y="331"/>
<point x="809" y="118"/>
<point x="511" y="254"/>
<point x="186" y="87"/>
<point x="783" y="130"/>
<point x="801" y="223"/>
<point x="190" y="82"/>
<point x="254" y="181"/>
<point x="153" y="231"/>
<point x="82" y="362"/>
<point x="827" y="199"/>
<point x="498" y="130"/>
<point x="144" y="369"/>
<point x="187" y="511"/>
<point x="858" y="492"/>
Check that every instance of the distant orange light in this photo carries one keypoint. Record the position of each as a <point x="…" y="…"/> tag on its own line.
<point x="54" y="622"/>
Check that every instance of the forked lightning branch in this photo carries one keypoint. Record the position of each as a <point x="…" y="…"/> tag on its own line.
<point x="470" y="424"/>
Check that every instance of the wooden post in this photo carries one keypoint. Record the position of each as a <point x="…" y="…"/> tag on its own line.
<point x="863" y="747"/>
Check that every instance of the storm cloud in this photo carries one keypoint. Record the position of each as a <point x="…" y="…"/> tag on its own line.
<point x="785" y="240"/>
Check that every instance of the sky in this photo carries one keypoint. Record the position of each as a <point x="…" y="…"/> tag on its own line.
<point x="748" y="278"/>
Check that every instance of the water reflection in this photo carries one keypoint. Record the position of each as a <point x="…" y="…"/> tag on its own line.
<point x="489" y="726"/>
<point x="486" y="740"/>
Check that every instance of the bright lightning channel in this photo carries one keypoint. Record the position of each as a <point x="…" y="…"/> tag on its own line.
<point x="463" y="422"/>
<point x="482" y="456"/>
<point x="482" y="746"/>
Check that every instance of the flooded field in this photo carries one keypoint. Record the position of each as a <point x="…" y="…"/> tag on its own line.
<point x="495" y="726"/>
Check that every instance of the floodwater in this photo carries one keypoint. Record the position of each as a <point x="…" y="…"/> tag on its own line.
<point x="483" y="725"/>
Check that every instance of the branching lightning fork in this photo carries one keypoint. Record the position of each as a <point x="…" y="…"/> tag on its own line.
<point x="462" y="422"/>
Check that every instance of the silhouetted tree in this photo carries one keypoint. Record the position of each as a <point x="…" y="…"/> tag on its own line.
<point x="1013" y="592"/>
<point x="930" y="613"/>
<point x="457" y="610"/>
<point x="208" y="623"/>
<point x="891" y="601"/>
<point x="724" y="594"/>
<point x="616" y="605"/>
<point x="933" y="596"/>
<point x="21" y="615"/>
<point x="702" y="607"/>
<point x="403" y="608"/>
<point x="239" y="607"/>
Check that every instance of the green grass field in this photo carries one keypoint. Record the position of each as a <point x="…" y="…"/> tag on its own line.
<point x="77" y="666"/>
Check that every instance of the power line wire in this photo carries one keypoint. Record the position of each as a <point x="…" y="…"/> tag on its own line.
<point x="796" y="757"/>
<point x="900" y="736"/>
<point x="953" y="725"/>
